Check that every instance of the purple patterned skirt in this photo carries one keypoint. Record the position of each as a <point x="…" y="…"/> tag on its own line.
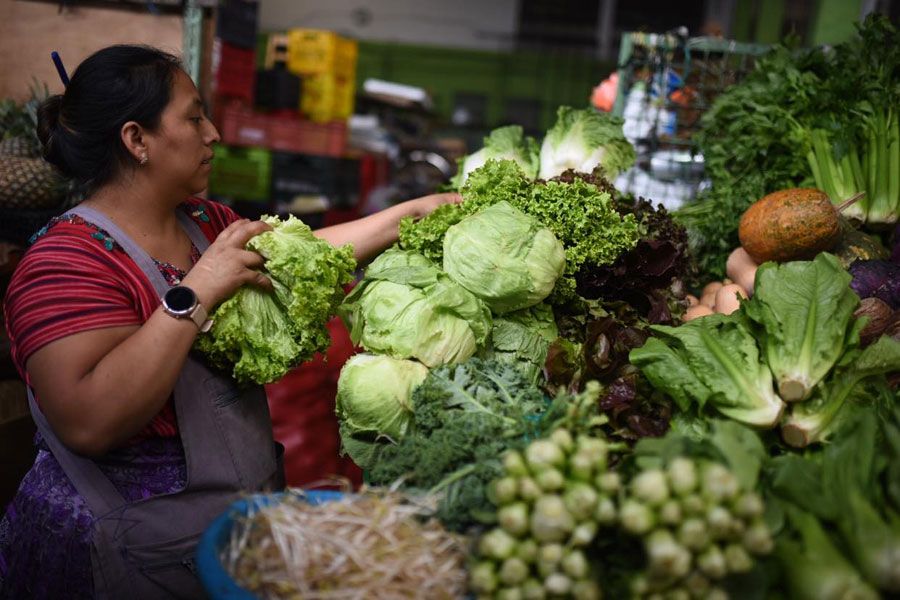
<point x="46" y="532"/>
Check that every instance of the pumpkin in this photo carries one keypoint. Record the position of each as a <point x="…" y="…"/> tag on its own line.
<point x="792" y="224"/>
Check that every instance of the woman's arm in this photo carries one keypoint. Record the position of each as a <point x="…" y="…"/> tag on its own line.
<point x="99" y="388"/>
<point x="370" y="235"/>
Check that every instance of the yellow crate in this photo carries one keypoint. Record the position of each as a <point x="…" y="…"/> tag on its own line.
<point x="327" y="97"/>
<point x="345" y="97"/>
<point x="345" y="61"/>
<point x="314" y="51"/>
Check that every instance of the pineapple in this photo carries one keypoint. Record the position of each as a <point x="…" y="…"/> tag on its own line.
<point x="29" y="183"/>
<point x="18" y="146"/>
<point x="26" y="180"/>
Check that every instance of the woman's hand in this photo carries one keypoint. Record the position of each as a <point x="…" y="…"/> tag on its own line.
<point x="227" y="265"/>
<point x="422" y="207"/>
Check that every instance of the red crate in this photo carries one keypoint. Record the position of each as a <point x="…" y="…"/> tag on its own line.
<point x="240" y="126"/>
<point x="235" y="70"/>
<point x="292" y="134"/>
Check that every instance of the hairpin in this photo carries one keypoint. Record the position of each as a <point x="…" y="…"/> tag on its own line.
<point x="57" y="61"/>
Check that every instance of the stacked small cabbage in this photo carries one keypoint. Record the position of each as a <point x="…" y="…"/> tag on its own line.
<point x="417" y="316"/>
<point x="558" y="499"/>
<point x="407" y="308"/>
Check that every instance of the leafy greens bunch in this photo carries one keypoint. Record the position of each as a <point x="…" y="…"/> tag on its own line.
<point x="260" y="336"/>
<point x="797" y="335"/>
<point x="841" y="534"/>
<point x="463" y="418"/>
<point x="823" y="117"/>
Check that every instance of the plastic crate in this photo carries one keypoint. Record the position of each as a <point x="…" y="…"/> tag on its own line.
<point x="277" y="89"/>
<point x="327" y="97"/>
<point x="276" y="50"/>
<point x="240" y="126"/>
<point x="292" y="134"/>
<point x="303" y="175"/>
<point x="241" y="173"/>
<point x="235" y="71"/>
<point x="665" y="84"/>
<point x="236" y="22"/>
<point x="314" y="51"/>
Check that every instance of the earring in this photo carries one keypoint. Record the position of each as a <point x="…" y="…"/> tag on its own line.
<point x="144" y="159"/>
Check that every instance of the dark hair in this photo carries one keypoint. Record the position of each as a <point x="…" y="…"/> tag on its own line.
<point x="80" y="129"/>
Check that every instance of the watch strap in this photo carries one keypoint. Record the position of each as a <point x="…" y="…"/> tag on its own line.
<point x="201" y="318"/>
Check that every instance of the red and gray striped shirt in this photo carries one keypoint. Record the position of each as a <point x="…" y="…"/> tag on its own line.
<point x="75" y="278"/>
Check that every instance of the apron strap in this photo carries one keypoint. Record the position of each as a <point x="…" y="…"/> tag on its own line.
<point x="193" y="230"/>
<point x="96" y="488"/>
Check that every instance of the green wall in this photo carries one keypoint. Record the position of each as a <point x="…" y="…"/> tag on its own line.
<point x="761" y="21"/>
<point x="834" y="21"/>
<point x="553" y="78"/>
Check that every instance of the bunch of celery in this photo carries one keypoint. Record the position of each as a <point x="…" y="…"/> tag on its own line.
<point x="852" y="133"/>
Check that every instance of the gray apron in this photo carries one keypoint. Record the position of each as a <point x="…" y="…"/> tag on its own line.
<point x="145" y="549"/>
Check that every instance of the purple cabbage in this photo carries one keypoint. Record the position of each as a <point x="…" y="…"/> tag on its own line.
<point x="877" y="279"/>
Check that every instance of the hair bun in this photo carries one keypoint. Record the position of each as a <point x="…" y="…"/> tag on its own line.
<point x="48" y="131"/>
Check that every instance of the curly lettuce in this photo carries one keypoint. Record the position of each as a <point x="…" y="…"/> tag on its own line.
<point x="259" y="336"/>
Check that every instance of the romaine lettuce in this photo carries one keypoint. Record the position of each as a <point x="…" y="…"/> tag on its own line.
<point x="806" y="311"/>
<point x="712" y="360"/>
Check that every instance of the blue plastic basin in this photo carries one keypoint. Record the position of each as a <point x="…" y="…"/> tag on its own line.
<point x="216" y="580"/>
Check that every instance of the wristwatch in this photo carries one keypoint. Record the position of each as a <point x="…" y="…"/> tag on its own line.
<point x="181" y="302"/>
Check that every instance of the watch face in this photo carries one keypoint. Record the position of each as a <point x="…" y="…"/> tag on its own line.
<point x="180" y="299"/>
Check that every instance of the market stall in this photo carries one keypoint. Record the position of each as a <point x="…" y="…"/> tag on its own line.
<point x="587" y="409"/>
<point x="562" y="386"/>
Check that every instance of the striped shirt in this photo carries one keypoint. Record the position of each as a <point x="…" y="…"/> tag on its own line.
<point x="75" y="278"/>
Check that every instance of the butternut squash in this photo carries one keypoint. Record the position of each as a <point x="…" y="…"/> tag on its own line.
<point x="792" y="224"/>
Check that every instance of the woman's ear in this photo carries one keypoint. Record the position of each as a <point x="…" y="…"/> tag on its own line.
<point x="132" y="135"/>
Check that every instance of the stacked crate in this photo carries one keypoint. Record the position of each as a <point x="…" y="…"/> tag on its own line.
<point x="239" y="174"/>
<point x="327" y="64"/>
<point x="234" y="50"/>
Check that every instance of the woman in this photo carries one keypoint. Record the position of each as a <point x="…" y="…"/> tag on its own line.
<point x="140" y="443"/>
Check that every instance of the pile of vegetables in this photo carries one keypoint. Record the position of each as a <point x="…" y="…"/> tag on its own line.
<point x="259" y="336"/>
<point x="572" y="526"/>
<point x="580" y="214"/>
<point x="464" y="417"/>
<point x="840" y="510"/>
<point x="790" y="357"/>
<point x="824" y="117"/>
<point x="535" y="362"/>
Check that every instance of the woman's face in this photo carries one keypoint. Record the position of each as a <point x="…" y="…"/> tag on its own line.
<point x="181" y="148"/>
